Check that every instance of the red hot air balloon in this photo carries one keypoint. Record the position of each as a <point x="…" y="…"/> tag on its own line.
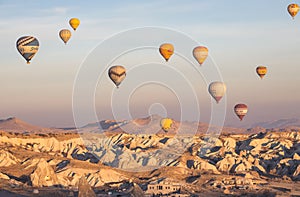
<point x="241" y="110"/>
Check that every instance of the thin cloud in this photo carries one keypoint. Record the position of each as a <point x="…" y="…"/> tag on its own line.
<point x="162" y="7"/>
<point x="59" y="10"/>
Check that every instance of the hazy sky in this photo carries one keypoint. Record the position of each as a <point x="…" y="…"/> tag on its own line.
<point x="239" y="34"/>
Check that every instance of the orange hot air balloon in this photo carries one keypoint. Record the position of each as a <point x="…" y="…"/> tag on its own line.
<point x="241" y="110"/>
<point x="74" y="23"/>
<point x="166" y="50"/>
<point x="200" y="53"/>
<point x="293" y="9"/>
<point x="261" y="71"/>
<point x="65" y="35"/>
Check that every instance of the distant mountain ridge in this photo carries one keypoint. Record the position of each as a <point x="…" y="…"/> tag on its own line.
<point x="280" y="124"/>
<point x="151" y="125"/>
<point x="16" y="124"/>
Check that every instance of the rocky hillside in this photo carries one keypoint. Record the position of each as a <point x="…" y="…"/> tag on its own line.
<point x="114" y="158"/>
<point x="62" y="159"/>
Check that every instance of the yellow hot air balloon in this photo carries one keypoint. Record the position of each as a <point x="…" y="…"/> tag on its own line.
<point x="261" y="71"/>
<point x="74" y="22"/>
<point x="241" y="110"/>
<point x="65" y="35"/>
<point x="200" y="53"/>
<point x="166" y="124"/>
<point x="293" y="9"/>
<point x="117" y="74"/>
<point x="166" y="50"/>
<point x="217" y="90"/>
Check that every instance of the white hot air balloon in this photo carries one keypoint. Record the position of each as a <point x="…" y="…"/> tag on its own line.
<point x="217" y="90"/>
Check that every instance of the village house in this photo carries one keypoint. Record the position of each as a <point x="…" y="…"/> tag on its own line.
<point x="164" y="188"/>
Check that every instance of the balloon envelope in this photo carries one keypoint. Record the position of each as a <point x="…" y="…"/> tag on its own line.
<point x="217" y="90"/>
<point x="65" y="35"/>
<point x="117" y="74"/>
<point x="241" y="110"/>
<point x="166" y="50"/>
<point x="166" y="124"/>
<point x="74" y="22"/>
<point x="261" y="71"/>
<point x="27" y="46"/>
<point x="293" y="9"/>
<point x="200" y="53"/>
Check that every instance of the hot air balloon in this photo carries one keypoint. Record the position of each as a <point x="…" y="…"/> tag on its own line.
<point x="293" y="9"/>
<point x="166" y="124"/>
<point x="65" y="35"/>
<point x="166" y="50"/>
<point x="217" y="90"/>
<point x="261" y="71"/>
<point x="27" y="46"/>
<point x="74" y="22"/>
<point x="240" y="110"/>
<point x="117" y="74"/>
<point x="200" y="53"/>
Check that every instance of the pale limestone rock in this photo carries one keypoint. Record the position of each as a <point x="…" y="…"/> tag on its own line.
<point x="226" y="164"/>
<point x="35" y="191"/>
<point x="4" y="176"/>
<point x="297" y="172"/>
<point x="229" y="143"/>
<point x="243" y="166"/>
<point x="43" y="175"/>
<point x="7" y="159"/>
<point x="296" y="157"/>
<point x="152" y="161"/>
<point x="30" y="163"/>
<point x="84" y="189"/>
<point x="205" y="166"/>
<point x="227" y="191"/>
<point x="44" y="144"/>
<point x="127" y="161"/>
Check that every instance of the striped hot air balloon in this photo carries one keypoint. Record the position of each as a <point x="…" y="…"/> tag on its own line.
<point x="27" y="46"/>
<point x="117" y="74"/>
<point x="166" y="50"/>
<point x="241" y="110"/>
